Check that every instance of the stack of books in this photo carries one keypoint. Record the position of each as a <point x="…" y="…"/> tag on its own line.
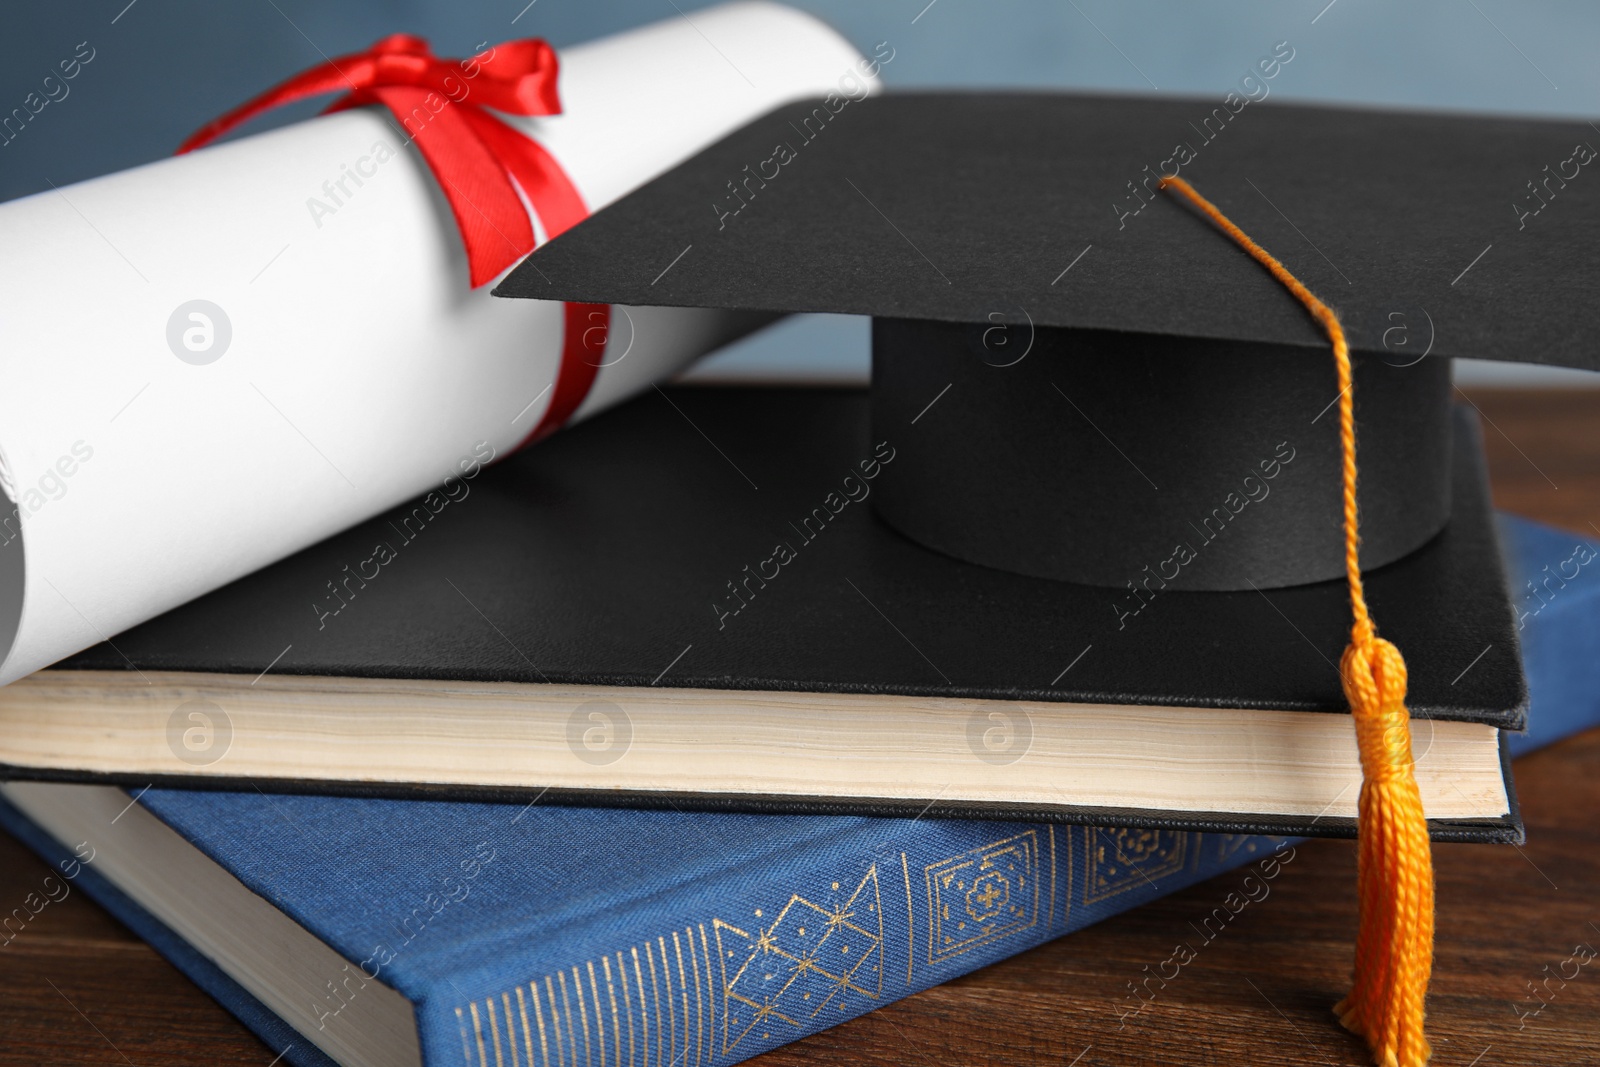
<point x="356" y="916"/>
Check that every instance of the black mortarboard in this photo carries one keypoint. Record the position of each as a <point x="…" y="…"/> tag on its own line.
<point x="1095" y="375"/>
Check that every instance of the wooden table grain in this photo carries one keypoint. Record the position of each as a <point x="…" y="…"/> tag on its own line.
<point x="77" y="988"/>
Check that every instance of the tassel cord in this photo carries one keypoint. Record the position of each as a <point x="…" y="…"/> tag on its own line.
<point x="1394" y="940"/>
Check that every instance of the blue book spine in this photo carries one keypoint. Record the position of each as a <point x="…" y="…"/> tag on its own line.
<point x="714" y="974"/>
<point x="843" y="916"/>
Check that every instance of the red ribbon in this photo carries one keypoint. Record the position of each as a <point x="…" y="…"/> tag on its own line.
<point x="479" y="161"/>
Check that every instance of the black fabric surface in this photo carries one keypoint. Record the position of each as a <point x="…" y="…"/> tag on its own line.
<point x="955" y="207"/>
<point x="604" y="556"/>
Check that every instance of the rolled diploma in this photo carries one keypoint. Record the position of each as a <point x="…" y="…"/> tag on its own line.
<point x="361" y="369"/>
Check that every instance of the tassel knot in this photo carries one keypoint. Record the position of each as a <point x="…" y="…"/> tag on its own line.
<point x="1394" y="948"/>
<point x="1374" y="676"/>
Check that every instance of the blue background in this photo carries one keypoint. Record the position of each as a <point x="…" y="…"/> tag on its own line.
<point x="164" y="67"/>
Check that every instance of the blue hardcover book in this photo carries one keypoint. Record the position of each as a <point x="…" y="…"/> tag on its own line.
<point x="396" y="931"/>
<point x="1554" y="594"/>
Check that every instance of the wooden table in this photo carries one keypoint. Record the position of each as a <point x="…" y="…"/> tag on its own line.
<point x="78" y="988"/>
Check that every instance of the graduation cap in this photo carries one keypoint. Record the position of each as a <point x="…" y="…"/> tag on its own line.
<point x="1108" y="391"/>
<point x="1084" y="356"/>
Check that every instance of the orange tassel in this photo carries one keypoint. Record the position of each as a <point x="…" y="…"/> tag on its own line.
<point x="1394" y="944"/>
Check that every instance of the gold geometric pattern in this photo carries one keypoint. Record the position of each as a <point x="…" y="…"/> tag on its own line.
<point x="982" y="895"/>
<point x="652" y="1004"/>
<point x="1123" y="859"/>
<point x="808" y="957"/>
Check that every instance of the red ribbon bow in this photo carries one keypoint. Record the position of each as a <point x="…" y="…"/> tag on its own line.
<point x="479" y="161"/>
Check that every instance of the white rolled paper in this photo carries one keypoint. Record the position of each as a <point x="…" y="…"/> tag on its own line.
<point x="213" y="361"/>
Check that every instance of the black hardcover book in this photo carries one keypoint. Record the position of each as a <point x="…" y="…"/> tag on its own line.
<point x="691" y="601"/>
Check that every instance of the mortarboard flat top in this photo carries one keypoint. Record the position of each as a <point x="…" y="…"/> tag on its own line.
<point x="951" y="207"/>
<point x="978" y="229"/>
